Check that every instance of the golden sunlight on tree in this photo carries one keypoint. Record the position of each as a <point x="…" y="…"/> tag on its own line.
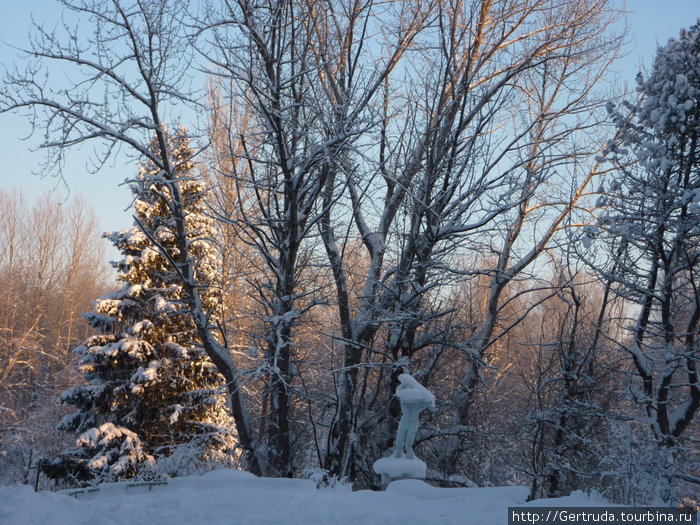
<point x="51" y="269"/>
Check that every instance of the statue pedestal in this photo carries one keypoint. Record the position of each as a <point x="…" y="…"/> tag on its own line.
<point x="391" y="469"/>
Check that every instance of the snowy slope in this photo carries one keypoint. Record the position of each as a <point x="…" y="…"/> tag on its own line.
<point x="231" y="497"/>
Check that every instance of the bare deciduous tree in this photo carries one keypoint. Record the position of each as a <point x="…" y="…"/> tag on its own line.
<point x="51" y="267"/>
<point x="467" y="160"/>
<point x="294" y="63"/>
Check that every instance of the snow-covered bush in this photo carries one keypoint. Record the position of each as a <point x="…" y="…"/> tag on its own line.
<point x="112" y="452"/>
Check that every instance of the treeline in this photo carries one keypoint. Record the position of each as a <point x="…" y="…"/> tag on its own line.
<point x="52" y="266"/>
<point x="446" y="189"/>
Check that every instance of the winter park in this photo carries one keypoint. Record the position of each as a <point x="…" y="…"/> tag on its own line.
<point x="349" y="262"/>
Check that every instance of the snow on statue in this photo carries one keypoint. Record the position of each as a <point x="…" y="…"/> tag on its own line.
<point x="414" y="398"/>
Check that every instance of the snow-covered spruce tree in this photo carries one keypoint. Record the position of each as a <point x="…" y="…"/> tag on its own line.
<point x="651" y="222"/>
<point x="152" y="391"/>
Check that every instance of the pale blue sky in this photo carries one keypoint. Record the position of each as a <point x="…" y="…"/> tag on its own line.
<point x="651" y="22"/>
<point x="103" y="190"/>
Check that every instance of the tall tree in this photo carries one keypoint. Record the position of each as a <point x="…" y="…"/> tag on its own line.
<point x="285" y="60"/>
<point x="147" y="375"/>
<point x="463" y="162"/>
<point x="650" y="223"/>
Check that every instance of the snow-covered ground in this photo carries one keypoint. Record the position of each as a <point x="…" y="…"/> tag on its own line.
<point x="229" y="497"/>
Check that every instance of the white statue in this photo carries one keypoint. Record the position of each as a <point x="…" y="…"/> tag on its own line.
<point x="414" y="398"/>
<point x="403" y="464"/>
